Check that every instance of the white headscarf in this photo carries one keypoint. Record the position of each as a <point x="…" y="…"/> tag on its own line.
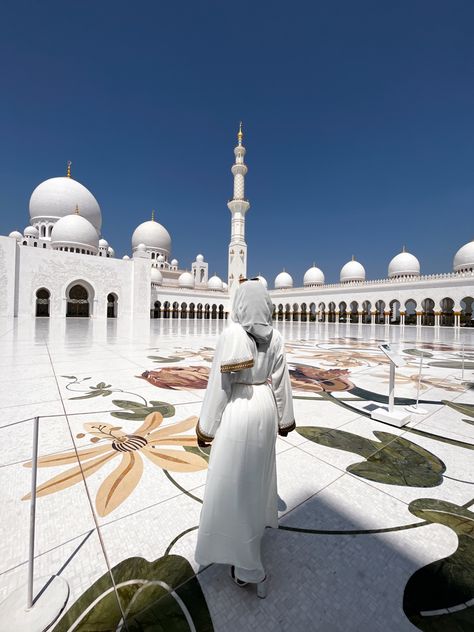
<point x="252" y="317"/>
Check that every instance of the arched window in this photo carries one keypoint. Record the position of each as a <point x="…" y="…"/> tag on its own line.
<point x="112" y="305"/>
<point x="156" y="311"/>
<point x="42" y="302"/>
<point x="78" y="302"/>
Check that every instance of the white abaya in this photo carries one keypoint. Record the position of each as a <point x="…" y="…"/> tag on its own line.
<point x="243" y="411"/>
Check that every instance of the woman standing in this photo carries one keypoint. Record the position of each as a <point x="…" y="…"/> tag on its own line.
<point x="248" y="400"/>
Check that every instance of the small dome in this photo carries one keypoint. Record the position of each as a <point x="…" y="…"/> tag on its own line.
<point x="200" y="258"/>
<point x="352" y="271"/>
<point x="464" y="258"/>
<point x="156" y="276"/>
<point x="160" y="258"/>
<point x="103" y="243"/>
<point x="126" y="258"/>
<point x="313" y="276"/>
<point x="283" y="281"/>
<point x="262" y="280"/>
<point x="75" y="231"/>
<point x="111" y="251"/>
<point x="31" y="231"/>
<point x="186" y="280"/>
<point x="58" y="197"/>
<point x="16" y="234"/>
<point x="174" y="262"/>
<point x="141" y="248"/>
<point x="153" y="235"/>
<point x="215" y="283"/>
<point x="403" y="265"/>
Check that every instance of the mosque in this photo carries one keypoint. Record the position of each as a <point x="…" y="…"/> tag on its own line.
<point x="61" y="265"/>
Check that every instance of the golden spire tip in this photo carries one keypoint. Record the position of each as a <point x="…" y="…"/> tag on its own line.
<point x="240" y="134"/>
<point x="77" y="209"/>
<point x="68" y="172"/>
<point x="153" y="216"/>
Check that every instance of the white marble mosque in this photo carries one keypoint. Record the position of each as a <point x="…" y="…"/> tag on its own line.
<point x="375" y="520"/>
<point x="62" y="265"/>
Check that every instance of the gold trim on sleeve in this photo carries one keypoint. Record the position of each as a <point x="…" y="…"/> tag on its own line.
<point x="289" y="428"/>
<point x="228" y="368"/>
<point x="201" y="435"/>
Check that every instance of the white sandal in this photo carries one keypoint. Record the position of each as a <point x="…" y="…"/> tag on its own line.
<point x="262" y="588"/>
<point x="236" y="580"/>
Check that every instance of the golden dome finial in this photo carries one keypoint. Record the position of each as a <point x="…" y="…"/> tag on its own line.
<point x="68" y="172"/>
<point x="240" y="134"/>
<point x="353" y="259"/>
<point x="404" y="249"/>
<point x="77" y="209"/>
<point x="153" y="216"/>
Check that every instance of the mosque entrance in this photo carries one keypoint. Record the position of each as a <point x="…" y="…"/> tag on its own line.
<point x="111" y="306"/>
<point x="42" y="302"/>
<point x="78" y="302"/>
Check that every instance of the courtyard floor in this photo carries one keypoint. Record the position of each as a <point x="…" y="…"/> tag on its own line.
<point x="376" y="522"/>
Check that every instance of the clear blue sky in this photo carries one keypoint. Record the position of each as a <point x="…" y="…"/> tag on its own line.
<point x="358" y="115"/>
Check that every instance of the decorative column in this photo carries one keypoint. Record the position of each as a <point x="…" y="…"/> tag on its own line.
<point x="457" y="319"/>
<point x="373" y="316"/>
<point x="360" y="316"/>
<point x="418" y="318"/>
<point x="402" y="318"/>
<point x="387" y="317"/>
<point x="238" y="206"/>
<point x="437" y="315"/>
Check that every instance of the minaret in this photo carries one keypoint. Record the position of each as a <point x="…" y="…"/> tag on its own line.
<point x="238" y="206"/>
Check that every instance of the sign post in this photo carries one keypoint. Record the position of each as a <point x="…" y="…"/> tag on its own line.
<point x="391" y="415"/>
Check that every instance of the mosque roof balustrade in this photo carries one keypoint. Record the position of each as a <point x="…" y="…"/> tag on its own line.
<point x="412" y="281"/>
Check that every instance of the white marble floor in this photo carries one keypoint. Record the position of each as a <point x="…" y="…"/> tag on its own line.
<point x="367" y="510"/>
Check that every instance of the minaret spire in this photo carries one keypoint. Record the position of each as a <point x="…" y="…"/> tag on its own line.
<point x="238" y="206"/>
<point x="68" y="171"/>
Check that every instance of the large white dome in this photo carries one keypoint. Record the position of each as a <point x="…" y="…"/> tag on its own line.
<point x="404" y="265"/>
<point x="58" y="197"/>
<point x="464" y="258"/>
<point x="215" y="283"/>
<point x="186" y="280"/>
<point x="313" y="276"/>
<point x="283" y="281"/>
<point x="352" y="271"/>
<point x="16" y="234"/>
<point x="74" y="231"/>
<point x="153" y="235"/>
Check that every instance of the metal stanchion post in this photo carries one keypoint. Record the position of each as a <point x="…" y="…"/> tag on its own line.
<point x="417" y="409"/>
<point x="462" y="366"/>
<point x="31" y="549"/>
<point x="52" y="593"/>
